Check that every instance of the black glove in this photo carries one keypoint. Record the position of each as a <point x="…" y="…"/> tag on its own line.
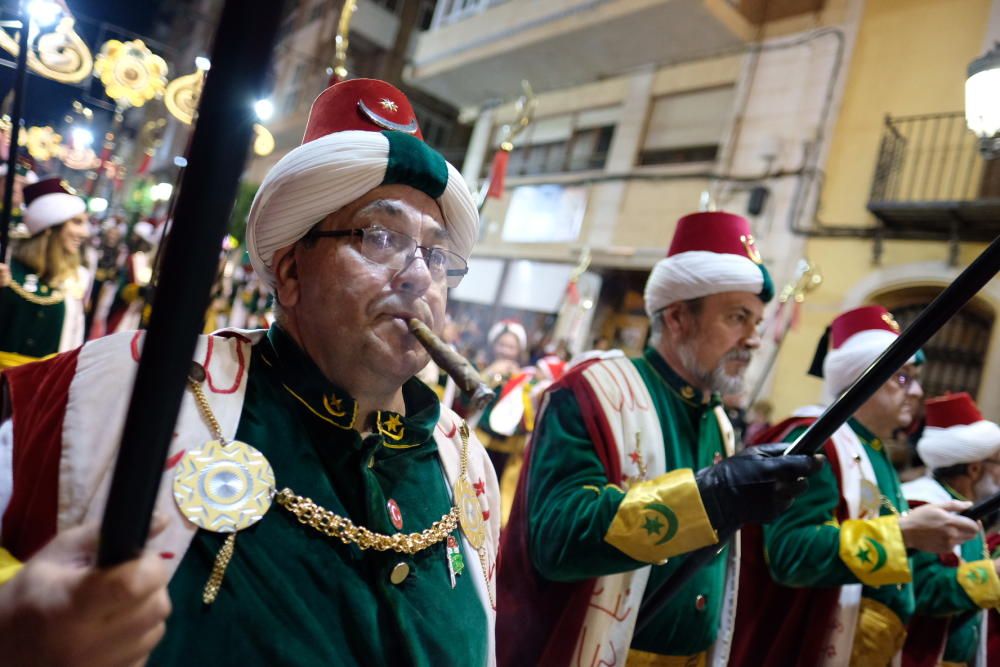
<point x="755" y="486"/>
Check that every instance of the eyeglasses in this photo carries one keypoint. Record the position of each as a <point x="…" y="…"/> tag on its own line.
<point x="905" y="380"/>
<point x="396" y="250"/>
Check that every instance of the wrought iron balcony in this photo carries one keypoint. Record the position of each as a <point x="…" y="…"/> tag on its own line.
<point x="931" y="180"/>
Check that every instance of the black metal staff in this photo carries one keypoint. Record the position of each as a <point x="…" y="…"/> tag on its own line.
<point x="983" y="508"/>
<point x="930" y="320"/>
<point x="240" y="57"/>
<point x="17" y="108"/>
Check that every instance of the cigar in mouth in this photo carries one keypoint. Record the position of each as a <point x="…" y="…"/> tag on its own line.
<point x="451" y="362"/>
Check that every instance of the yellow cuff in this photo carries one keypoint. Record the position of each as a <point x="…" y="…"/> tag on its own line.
<point x="9" y="566"/>
<point x="980" y="581"/>
<point x="874" y="551"/>
<point x="660" y="518"/>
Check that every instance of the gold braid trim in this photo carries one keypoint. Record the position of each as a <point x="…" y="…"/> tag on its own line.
<point x="52" y="299"/>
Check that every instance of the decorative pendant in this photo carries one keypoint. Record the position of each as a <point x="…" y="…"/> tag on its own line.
<point x="224" y="488"/>
<point x="456" y="564"/>
<point x="470" y="514"/>
<point x="395" y="515"/>
<point x="871" y="499"/>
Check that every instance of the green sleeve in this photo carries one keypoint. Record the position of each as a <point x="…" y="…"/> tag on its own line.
<point x="802" y="546"/>
<point x="571" y="503"/>
<point x="936" y="587"/>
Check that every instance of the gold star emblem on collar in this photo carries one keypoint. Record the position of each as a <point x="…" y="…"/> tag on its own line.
<point x="334" y="405"/>
<point x="393" y="424"/>
<point x="388" y="104"/>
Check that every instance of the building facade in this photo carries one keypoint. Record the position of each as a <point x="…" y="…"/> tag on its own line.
<point x="648" y="109"/>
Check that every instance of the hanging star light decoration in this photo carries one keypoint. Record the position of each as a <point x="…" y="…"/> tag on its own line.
<point x="131" y="73"/>
<point x="43" y="143"/>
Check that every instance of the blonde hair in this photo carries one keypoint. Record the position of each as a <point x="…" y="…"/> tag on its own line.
<point x="44" y="252"/>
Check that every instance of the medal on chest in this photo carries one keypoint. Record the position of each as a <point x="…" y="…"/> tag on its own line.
<point x="470" y="514"/>
<point x="224" y="488"/>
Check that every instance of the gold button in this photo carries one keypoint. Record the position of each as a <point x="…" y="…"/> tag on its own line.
<point x="399" y="573"/>
<point x="700" y="602"/>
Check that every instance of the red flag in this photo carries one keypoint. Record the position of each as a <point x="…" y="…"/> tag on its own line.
<point x="498" y="171"/>
<point x="147" y="158"/>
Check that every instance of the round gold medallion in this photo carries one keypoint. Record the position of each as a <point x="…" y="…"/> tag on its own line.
<point x="470" y="513"/>
<point x="224" y="488"/>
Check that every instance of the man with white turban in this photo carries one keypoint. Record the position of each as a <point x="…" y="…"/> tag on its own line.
<point x="962" y="454"/>
<point x="835" y="568"/>
<point x="632" y="463"/>
<point x="367" y="514"/>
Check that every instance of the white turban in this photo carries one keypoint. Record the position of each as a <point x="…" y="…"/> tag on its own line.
<point x="508" y="326"/>
<point x="697" y="273"/>
<point x="963" y="443"/>
<point x="328" y="173"/>
<point x="845" y="364"/>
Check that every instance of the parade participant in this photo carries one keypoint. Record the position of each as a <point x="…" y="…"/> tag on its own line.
<point x="952" y="590"/>
<point x="835" y="568"/>
<point x="508" y="343"/>
<point x="631" y="463"/>
<point x="391" y="558"/>
<point x="127" y="310"/>
<point x="111" y="256"/>
<point x="43" y="290"/>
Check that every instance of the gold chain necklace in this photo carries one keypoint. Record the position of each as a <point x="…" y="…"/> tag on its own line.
<point x="335" y="526"/>
<point x="52" y="299"/>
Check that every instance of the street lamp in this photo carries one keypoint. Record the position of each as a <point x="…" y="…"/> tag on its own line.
<point x="203" y="63"/>
<point x="98" y="205"/>
<point x="82" y="137"/>
<point x="982" y="101"/>
<point x="264" y="109"/>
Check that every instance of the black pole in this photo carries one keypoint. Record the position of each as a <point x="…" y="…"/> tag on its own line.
<point x="240" y="57"/>
<point x="983" y="508"/>
<point x="930" y="320"/>
<point x="17" y="108"/>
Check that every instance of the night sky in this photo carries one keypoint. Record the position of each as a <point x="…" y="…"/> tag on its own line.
<point x="46" y="101"/>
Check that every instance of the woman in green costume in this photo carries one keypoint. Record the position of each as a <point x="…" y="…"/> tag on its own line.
<point x="42" y="290"/>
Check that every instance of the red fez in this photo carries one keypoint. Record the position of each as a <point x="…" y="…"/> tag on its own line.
<point x="360" y="104"/>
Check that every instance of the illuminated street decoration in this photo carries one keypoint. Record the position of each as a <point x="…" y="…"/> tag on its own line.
<point x="43" y="143"/>
<point x="263" y="143"/>
<point x="131" y="73"/>
<point x="60" y="54"/>
<point x="81" y="157"/>
<point x="183" y="93"/>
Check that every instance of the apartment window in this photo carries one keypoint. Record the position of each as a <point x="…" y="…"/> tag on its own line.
<point x="563" y="143"/>
<point x="687" y="127"/>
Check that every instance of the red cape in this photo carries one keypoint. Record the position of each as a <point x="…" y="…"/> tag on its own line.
<point x="538" y="621"/>
<point x="779" y="625"/>
<point x="36" y="395"/>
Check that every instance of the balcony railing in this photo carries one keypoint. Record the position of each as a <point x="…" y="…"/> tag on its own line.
<point x="930" y="178"/>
